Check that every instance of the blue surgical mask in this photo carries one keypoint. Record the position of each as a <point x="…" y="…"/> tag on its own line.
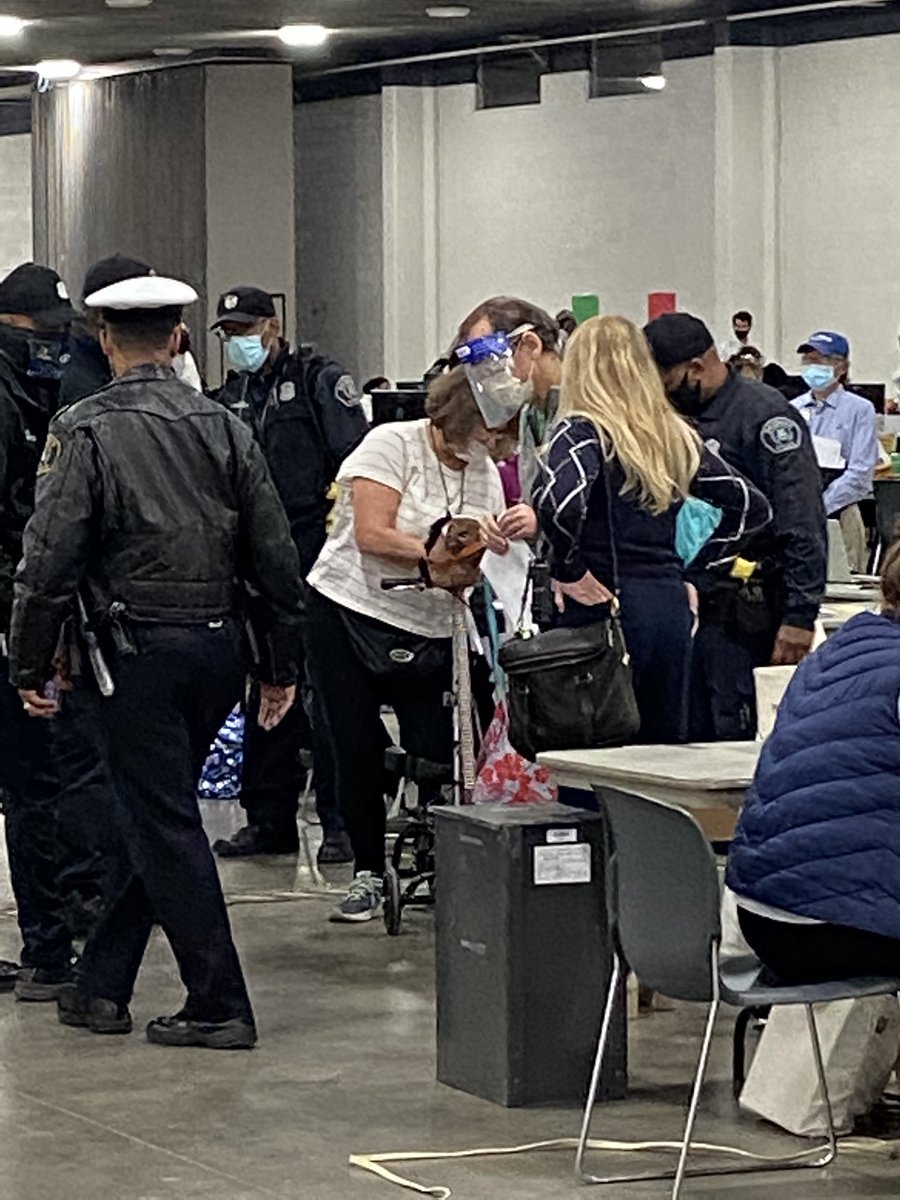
<point x="246" y="352"/>
<point x="818" y="376"/>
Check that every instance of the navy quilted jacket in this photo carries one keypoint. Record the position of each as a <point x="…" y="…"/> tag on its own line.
<point x="820" y="832"/>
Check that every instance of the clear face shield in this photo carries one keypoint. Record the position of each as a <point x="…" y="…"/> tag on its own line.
<point x="499" y="393"/>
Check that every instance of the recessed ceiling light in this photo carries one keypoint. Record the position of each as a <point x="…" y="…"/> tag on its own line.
<point x="653" y="83"/>
<point x="448" y="12"/>
<point x="304" y="35"/>
<point x="11" y="27"/>
<point x="56" y="69"/>
<point x="172" y="51"/>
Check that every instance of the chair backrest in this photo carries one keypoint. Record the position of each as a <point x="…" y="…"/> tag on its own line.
<point x="664" y="893"/>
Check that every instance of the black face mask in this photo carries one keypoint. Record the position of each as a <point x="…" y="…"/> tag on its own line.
<point x="687" y="397"/>
<point x="39" y="361"/>
<point x="38" y="356"/>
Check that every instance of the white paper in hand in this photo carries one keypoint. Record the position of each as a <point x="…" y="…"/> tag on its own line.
<point x="508" y="576"/>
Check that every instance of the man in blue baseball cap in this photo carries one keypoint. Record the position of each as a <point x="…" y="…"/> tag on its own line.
<point x="836" y="414"/>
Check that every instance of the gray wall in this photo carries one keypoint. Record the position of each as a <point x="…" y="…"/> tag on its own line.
<point x="120" y="166"/>
<point x="15" y="201"/>
<point x="189" y="168"/>
<point x="340" y="273"/>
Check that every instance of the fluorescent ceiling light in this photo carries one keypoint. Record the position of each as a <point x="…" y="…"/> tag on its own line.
<point x="653" y="83"/>
<point x="11" y="27"/>
<point x="172" y="52"/>
<point x="128" y="3"/>
<point x="55" y="69"/>
<point x="448" y="12"/>
<point x="309" y="36"/>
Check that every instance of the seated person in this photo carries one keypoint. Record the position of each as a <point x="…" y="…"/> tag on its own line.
<point x="815" y="863"/>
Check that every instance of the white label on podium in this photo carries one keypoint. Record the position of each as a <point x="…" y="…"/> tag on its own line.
<point x="562" y="864"/>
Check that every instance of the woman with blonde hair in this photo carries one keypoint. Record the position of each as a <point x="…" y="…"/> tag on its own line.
<point x="615" y="475"/>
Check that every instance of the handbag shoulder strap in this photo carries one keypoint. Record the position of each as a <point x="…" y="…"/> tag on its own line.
<point x="613" y="549"/>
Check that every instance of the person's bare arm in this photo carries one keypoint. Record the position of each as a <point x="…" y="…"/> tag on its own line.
<point x="375" y="508"/>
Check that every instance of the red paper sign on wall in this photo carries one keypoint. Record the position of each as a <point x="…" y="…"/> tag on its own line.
<point x="659" y="303"/>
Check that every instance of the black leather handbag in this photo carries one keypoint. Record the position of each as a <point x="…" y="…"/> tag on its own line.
<point x="571" y="688"/>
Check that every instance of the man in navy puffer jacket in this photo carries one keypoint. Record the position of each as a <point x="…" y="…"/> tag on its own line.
<point x="815" y="863"/>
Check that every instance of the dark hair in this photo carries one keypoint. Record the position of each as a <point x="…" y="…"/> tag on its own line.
<point x="743" y="315"/>
<point x="506" y="314"/>
<point x="374" y="385"/>
<point x="149" y="327"/>
<point x="890" y="577"/>
<point x="565" y="319"/>
<point x="750" y="352"/>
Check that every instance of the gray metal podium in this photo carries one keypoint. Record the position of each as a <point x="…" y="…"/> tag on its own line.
<point x="523" y="954"/>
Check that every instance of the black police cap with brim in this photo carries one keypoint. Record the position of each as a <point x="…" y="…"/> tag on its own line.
<point x="143" y="292"/>
<point x="244" y="306"/>
<point x="38" y="292"/>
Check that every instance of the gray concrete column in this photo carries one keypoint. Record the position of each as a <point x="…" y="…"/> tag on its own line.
<point x="190" y="168"/>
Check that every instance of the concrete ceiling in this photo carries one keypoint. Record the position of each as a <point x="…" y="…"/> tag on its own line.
<point x="365" y="30"/>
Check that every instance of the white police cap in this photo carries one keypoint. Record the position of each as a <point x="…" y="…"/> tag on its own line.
<point x="144" y="291"/>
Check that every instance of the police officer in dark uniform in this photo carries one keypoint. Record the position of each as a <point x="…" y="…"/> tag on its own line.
<point x="764" y="611"/>
<point x="306" y="413"/>
<point x="159" y="504"/>
<point x="35" y="313"/>
<point x="87" y="370"/>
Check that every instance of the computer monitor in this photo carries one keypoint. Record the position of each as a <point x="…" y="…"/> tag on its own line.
<point x="398" y="406"/>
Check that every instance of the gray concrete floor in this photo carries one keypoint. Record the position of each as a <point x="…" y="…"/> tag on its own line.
<point x="345" y="1065"/>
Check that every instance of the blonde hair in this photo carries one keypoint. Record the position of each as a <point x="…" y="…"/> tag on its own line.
<point x="610" y="377"/>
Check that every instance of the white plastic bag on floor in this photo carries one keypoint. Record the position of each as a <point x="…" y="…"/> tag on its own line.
<point x="860" y="1042"/>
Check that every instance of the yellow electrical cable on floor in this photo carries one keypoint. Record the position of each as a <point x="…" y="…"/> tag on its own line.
<point x="375" y="1163"/>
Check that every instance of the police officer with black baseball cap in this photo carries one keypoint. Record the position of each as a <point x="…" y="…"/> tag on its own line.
<point x="305" y="411"/>
<point x="763" y="612"/>
<point x="35" y="312"/>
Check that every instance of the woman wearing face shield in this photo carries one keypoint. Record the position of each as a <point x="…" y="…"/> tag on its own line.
<point x="369" y="647"/>
<point x="615" y="475"/>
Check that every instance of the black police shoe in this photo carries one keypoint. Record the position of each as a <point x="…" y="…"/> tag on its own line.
<point x="335" y="850"/>
<point x="99" y="1016"/>
<point x="9" y="975"/>
<point x="214" y="1035"/>
<point x="39" y="986"/>
<point x="258" y="839"/>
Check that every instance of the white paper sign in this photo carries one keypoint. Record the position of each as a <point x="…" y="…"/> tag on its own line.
<point x="562" y="864"/>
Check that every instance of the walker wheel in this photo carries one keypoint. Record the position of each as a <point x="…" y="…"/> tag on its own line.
<point x="393" y="904"/>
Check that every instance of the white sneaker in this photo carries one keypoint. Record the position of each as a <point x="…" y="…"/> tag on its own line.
<point x="363" y="900"/>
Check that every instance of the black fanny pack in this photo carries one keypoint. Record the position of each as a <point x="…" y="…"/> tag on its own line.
<point x="385" y="650"/>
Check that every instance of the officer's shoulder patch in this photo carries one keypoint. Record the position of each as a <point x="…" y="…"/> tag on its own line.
<point x="287" y="392"/>
<point x="780" y="435"/>
<point x="50" y="457"/>
<point x="346" y="391"/>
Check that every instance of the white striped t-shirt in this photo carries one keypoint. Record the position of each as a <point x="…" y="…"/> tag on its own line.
<point x="401" y="457"/>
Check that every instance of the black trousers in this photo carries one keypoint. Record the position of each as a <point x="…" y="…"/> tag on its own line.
<point x="656" y="622"/>
<point x="171" y="699"/>
<point x="798" y="954"/>
<point x="723" y="695"/>
<point x="352" y="697"/>
<point x="90" y="863"/>
<point x="30" y="783"/>
<point x="273" y="775"/>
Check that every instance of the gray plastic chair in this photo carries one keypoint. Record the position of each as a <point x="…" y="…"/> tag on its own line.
<point x="664" y="904"/>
